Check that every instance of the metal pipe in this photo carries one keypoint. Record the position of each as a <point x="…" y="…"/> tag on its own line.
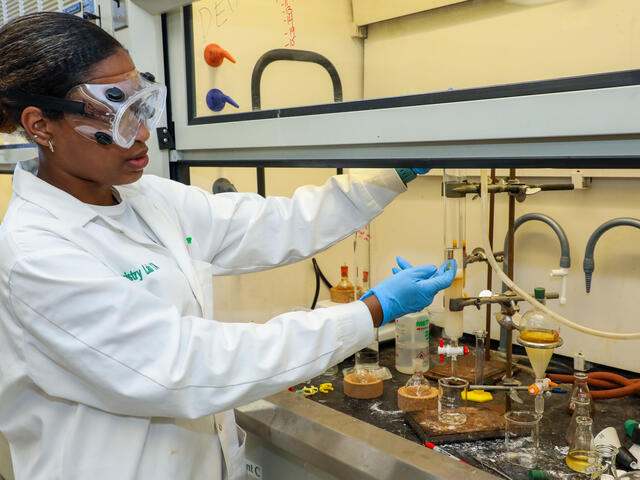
<point x="589" y="264"/>
<point x="458" y="304"/>
<point x="514" y="188"/>
<point x="498" y="387"/>
<point x="487" y="319"/>
<point x="509" y="259"/>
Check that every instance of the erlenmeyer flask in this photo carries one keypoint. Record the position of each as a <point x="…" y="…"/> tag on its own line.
<point x="578" y="456"/>
<point x="419" y="384"/>
<point x="581" y="409"/>
<point x="580" y="393"/>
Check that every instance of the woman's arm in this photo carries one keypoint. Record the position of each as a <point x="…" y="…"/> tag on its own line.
<point x="90" y="336"/>
<point x="240" y="233"/>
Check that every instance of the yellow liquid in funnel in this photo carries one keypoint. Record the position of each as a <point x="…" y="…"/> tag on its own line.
<point x="539" y="357"/>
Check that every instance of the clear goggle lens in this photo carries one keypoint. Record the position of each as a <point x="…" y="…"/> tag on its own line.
<point x="115" y="112"/>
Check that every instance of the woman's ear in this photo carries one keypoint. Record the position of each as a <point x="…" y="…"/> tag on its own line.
<point x="37" y="126"/>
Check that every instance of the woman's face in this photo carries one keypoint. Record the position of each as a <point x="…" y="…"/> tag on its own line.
<point x="81" y="159"/>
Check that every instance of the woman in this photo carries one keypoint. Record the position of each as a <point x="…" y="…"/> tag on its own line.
<point x="112" y="366"/>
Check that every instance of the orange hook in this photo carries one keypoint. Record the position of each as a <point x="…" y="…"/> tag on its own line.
<point x="214" y="54"/>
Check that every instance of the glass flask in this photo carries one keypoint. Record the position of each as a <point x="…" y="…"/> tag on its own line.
<point x="580" y="392"/>
<point x="581" y="409"/>
<point x="578" y="456"/>
<point x="539" y="335"/>
<point x="344" y="284"/>
<point x="418" y="383"/>
<point x="602" y="462"/>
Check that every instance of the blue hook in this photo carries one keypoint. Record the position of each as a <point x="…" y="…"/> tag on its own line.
<point x="216" y="100"/>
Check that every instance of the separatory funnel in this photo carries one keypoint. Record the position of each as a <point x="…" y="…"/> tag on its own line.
<point x="539" y="335"/>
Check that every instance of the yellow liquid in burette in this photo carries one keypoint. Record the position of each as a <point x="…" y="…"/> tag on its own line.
<point x="539" y="357"/>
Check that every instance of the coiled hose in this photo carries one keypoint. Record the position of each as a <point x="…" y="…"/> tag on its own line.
<point x="611" y="385"/>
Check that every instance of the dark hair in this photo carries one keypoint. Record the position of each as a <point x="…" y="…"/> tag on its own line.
<point x="47" y="53"/>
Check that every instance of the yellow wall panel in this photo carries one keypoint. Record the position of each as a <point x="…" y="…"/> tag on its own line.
<point x="366" y="12"/>
<point x="493" y="42"/>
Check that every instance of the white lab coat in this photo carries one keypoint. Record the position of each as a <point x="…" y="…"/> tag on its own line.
<point x="111" y="365"/>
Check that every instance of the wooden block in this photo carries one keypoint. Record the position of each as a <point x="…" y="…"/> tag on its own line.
<point x="482" y="423"/>
<point x="370" y="388"/>
<point x="493" y="370"/>
<point x="408" y="401"/>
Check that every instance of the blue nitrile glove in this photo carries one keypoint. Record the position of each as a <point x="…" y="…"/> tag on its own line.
<point x="410" y="289"/>
<point x="408" y="174"/>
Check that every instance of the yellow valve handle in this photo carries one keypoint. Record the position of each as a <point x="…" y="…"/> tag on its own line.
<point x="326" y="387"/>
<point x="308" y="391"/>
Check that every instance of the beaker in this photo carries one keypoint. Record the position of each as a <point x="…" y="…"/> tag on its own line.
<point x="451" y="400"/>
<point x="366" y="365"/>
<point x="521" y="437"/>
<point x="602" y="462"/>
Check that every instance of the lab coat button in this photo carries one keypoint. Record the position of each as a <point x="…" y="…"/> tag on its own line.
<point x="219" y="427"/>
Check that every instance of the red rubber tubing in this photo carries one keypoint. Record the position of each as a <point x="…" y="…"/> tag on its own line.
<point x="612" y="384"/>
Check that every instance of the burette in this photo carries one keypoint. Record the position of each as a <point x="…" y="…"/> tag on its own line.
<point x="484" y="182"/>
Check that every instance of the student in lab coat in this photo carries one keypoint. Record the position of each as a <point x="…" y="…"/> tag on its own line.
<point x="111" y="365"/>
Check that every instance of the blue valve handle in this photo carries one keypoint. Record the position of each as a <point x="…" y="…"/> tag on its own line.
<point x="217" y="100"/>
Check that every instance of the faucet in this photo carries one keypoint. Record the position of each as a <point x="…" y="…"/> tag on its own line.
<point x="588" y="264"/>
<point x="565" y="255"/>
<point x="565" y="259"/>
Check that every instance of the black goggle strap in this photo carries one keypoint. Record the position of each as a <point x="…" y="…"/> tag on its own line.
<point x="46" y="102"/>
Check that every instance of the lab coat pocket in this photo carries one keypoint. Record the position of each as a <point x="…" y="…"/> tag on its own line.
<point x="204" y="273"/>
<point x="237" y="460"/>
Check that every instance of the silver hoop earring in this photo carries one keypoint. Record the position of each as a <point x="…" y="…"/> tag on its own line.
<point x="50" y="146"/>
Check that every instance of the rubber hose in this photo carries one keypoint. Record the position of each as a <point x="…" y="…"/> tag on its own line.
<point x="622" y="386"/>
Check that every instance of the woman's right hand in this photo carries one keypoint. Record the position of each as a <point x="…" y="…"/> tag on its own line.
<point x="410" y="289"/>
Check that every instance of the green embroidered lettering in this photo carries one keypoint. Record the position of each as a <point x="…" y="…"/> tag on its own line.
<point x="148" y="268"/>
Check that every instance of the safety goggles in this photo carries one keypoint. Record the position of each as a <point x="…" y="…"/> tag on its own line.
<point x="110" y="112"/>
